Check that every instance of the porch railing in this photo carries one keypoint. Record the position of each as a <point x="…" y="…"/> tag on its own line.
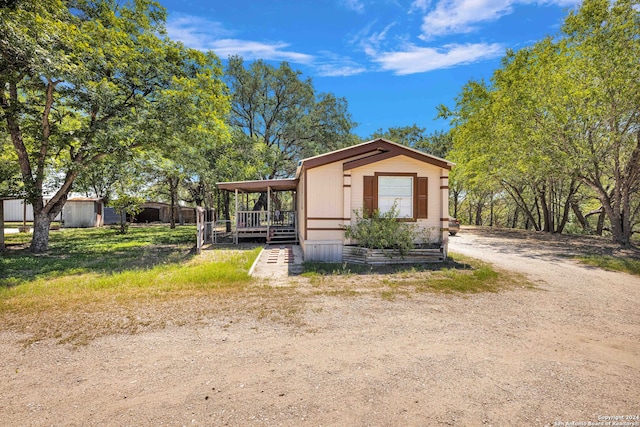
<point x="260" y="219"/>
<point x="284" y="218"/>
<point x="251" y="219"/>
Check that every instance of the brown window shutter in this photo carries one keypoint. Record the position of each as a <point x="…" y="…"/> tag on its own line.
<point x="421" y="202"/>
<point x="369" y="202"/>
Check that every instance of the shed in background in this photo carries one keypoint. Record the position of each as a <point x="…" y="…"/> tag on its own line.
<point x="83" y="212"/>
<point x="15" y="210"/>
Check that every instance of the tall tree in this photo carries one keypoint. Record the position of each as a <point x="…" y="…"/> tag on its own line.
<point x="438" y="143"/>
<point x="10" y="183"/>
<point x="410" y="136"/>
<point x="82" y="81"/>
<point x="281" y="117"/>
<point x="604" y="38"/>
<point x="99" y="178"/>
<point x="561" y="114"/>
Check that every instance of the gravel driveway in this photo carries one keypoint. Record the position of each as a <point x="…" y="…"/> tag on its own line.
<point x="565" y="351"/>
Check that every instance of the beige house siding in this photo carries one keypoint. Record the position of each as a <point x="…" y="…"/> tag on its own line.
<point x="324" y="186"/>
<point x="329" y="187"/>
<point x="323" y="236"/>
<point x="402" y="164"/>
<point x="301" y="194"/>
<point x="331" y="195"/>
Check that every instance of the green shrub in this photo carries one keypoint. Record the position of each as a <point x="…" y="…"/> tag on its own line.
<point x="382" y="231"/>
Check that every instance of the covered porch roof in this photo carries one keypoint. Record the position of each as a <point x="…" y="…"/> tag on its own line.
<point x="260" y="186"/>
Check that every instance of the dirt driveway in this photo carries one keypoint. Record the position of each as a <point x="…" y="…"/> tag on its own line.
<point x="565" y="352"/>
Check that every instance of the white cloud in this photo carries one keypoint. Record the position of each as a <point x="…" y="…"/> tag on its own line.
<point x="370" y="40"/>
<point x="202" y="34"/>
<point x="194" y="31"/>
<point x="258" y="50"/>
<point x="460" y="16"/>
<point x="337" y="70"/>
<point x="421" y="5"/>
<point x="416" y="59"/>
<point x="561" y="3"/>
<point x="355" y="5"/>
<point x="334" y="65"/>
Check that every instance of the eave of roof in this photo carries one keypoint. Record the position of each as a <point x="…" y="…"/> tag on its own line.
<point x="259" y="186"/>
<point x="379" y="149"/>
<point x="84" y="199"/>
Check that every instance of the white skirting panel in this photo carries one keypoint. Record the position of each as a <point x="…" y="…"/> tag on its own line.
<point x="322" y="250"/>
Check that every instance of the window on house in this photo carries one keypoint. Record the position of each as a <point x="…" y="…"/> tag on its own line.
<point x="396" y="190"/>
<point x="407" y="191"/>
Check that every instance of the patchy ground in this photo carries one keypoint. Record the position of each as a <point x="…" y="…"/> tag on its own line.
<point x="566" y="351"/>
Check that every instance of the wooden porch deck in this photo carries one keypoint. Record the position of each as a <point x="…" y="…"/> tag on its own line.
<point x="280" y="227"/>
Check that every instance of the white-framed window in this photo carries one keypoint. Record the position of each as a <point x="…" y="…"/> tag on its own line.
<point x="398" y="190"/>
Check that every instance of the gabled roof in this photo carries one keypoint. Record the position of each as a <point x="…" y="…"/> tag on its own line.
<point x="351" y="157"/>
<point x="370" y="152"/>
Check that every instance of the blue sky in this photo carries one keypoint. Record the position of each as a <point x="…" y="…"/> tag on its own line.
<point x="394" y="61"/>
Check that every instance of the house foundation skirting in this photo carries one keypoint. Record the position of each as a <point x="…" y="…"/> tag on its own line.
<point x="358" y="255"/>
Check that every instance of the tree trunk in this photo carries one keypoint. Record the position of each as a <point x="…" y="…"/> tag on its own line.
<point x="456" y="202"/>
<point x="173" y="194"/>
<point x="516" y="214"/>
<point x="537" y="223"/>
<point x="517" y="196"/>
<point x="625" y="220"/>
<point x="40" y="239"/>
<point x="566" y="207"/>
<point x="617" y="204"/>
<point x="261" y="203"/>
<point x="225" y="210"/>
<point x="1" y="225"/>
<point x="630" y="181"/>
<point x="600" y="226"/>
<point x="584" y="223"/>
<point x="491" y="212"/>
<point x="546" y="214"/>
<point x="479" y="206"/>
<point x="615" y="219"/>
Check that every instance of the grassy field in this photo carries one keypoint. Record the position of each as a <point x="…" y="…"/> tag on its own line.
<point x="96" y="259"/>
<point x="624" y="264"/>
<point x="95" y="282"/>
<point x="94" y="250"/>
<point x="459" y="274"/>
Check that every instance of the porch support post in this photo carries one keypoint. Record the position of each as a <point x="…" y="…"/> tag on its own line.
<point x="346" y="199"/>
<point x="235" y="238"/>
<point x="268" y="213"/>
<point x="444" y="210"/>
<point x="295" y="213"/>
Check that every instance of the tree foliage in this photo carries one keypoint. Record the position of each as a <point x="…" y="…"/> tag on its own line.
<point x="382" y="231"/>
<point x="559" y="123"/>
<point x="126" y="206"/>
<point x="278" y="118"/>
<point x="87" y="80"/>
<point x="438" y="143"/>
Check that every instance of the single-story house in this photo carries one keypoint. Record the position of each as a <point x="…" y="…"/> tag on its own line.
<point x="82" y="212"/>
<point x="328" y="190"/>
